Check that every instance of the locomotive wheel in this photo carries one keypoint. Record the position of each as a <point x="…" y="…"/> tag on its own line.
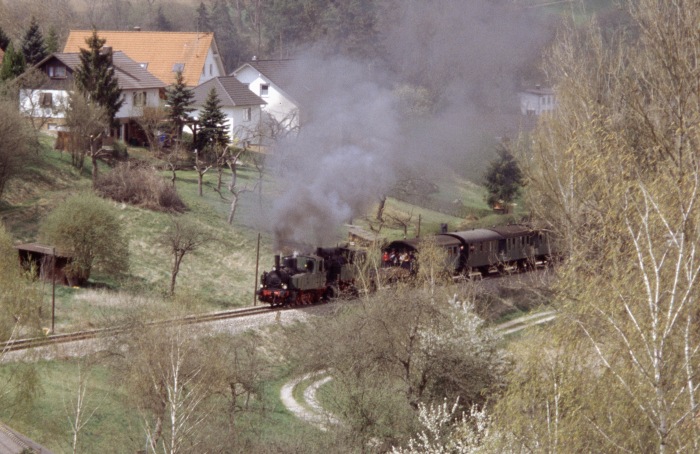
<point x="329" y="294"/>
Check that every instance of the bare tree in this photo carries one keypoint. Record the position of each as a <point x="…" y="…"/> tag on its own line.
<point x="181" y="238"/>
<point x="151" y="122"/>
<point x="202" y="164"/>
<point x="233" y="188"/>
<point x="88" y="123"/>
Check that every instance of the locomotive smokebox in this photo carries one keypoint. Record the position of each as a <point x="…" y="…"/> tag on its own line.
<point x="277" y="262"/>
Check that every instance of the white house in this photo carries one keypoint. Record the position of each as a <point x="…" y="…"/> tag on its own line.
<point x="241" y="106"/>
<point x="535" y="101"/>
<point x="48" y="100"/>
<point x="272" y="81"/>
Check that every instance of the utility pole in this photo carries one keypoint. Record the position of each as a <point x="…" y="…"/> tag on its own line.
<point x="53" y="288"/>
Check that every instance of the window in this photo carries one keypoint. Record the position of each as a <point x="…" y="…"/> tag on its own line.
<point x="46" y="99"/>
<point x="246" y="115"/>
<point x="211" y="69"/>
<point x="57" y="72"/>
<point x="264" y="88"/>
<point x="139" y="99"/>
<point x="179" y="67"/>
<point x="143" y="65"/>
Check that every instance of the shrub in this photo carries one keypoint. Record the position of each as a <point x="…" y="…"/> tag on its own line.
<point x="139" y="186"/>
<point x="88" y="228"/>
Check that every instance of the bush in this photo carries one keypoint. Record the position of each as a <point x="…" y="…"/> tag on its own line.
<point x="139" y="186"/>
<point x="87" y="227"/>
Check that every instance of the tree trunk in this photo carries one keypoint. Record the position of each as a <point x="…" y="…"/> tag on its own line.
<point x="380" y="208"/>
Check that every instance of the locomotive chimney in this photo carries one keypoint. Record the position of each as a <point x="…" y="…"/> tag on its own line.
<point x="277" y="262"/>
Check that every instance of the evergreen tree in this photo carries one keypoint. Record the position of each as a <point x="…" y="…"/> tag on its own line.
<point x="52" y="41"/>
<point x="33" y="47"/>
<point x="161" y="22"/>
<point x="95" y="76"/>
<point x="13" y="63"/>
<point x="503" y="179"/>
<point x="213" y="130"/>
<point x="4" y="40"/>
<point x="179" y="99"/>
<point x="203" y="18"/>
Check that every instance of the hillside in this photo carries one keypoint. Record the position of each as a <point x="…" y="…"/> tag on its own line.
<point x="219" y="275"/>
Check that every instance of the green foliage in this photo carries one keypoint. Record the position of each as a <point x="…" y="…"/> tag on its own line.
<point x="503" y="179"/>
<point x="179" y="100"/>
<point x="13" y="63"/>
<point x="213" y="130"/>
<point x="33" y="46"/>
<point x="95" y="77"/>
<point x="15" y="145"/>
<point x="4" y="40"/>
<point x="19" y="302"/>
<point x="52" y="41"/>
<point x="87" y="227"/>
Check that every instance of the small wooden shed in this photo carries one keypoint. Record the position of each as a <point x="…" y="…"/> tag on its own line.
<point x="47" y="261"/>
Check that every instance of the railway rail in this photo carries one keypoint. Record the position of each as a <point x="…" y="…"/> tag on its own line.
<point x="53" y="339"/>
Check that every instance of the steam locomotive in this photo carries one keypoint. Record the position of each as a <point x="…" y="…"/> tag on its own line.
<point x="310" y="278"/>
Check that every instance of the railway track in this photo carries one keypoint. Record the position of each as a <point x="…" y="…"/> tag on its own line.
<point x="53" y="339"/>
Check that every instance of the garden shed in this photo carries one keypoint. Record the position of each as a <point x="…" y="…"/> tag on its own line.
<point x="45" y="260"/>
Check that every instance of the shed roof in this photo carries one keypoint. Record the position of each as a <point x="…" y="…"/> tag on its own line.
<point x="160" y="51"/>
<point x="44" y="249"/>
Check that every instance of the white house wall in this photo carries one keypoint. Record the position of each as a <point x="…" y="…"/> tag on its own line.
<point x="213" y="67"/>
<point x="128" y="110"/>
<point x="239" y="129"/>
<point x="278" y="105"/>
<point x="29" y="103"/>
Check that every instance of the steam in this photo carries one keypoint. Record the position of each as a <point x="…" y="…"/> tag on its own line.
<point x="356" y="140"/>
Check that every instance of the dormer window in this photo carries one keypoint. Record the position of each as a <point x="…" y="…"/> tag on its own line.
<point x="57" y="72"/>
<point x="264" y="89"/>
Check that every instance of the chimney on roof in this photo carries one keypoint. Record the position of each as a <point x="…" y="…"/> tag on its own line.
<point x="537" y="86"/>
<point x="137" y="28"/>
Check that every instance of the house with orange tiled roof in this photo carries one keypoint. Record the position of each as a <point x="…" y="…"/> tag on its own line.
<point x="163" y="54"/>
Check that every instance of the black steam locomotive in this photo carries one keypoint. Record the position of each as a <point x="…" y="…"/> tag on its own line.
<point x="310" y="278"/>
<point x="481" y="251"/>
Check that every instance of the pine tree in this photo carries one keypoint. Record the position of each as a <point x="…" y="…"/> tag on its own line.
<point x="203" y="18"/>
<point x="179" y="99"/>
<point x="33" y="47"/>
<point x="4" y="40"/>
<point x="13" y="63"/>
<point x="212" y="124"/>
<point x="52" y="41"/>
<point x="95" y="76"/>
<point x="503" y="179"/>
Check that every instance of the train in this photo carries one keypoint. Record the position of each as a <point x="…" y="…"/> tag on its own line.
<point x="310" y="278"/>
<point x="330" y="272"/>
<point x="479" y="252"/>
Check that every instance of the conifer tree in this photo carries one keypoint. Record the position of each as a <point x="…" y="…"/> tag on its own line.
<point x="4" y="40"/>
<point x="179" y="99"/>
<point x="203" y="18"/>
<point x="212" y="123"/>
<point x="13" y="63"/>
<point x="33" y="46"/>
<point x="52" y="41"/>
<point x="95" y="76"/>
<point x="503" y="179"/>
